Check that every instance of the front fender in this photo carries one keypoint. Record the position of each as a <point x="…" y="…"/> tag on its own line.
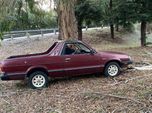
<point x="114" y="60"/>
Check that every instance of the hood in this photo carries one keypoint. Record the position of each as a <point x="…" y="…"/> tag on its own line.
<point x="108" y="54"/>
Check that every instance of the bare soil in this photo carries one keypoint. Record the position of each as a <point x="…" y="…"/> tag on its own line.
<point x="131" y="92"/>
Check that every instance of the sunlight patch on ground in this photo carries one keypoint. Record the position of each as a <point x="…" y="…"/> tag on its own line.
<point x="144" y="68"/>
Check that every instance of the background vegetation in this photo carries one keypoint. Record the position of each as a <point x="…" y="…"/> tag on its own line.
<point x="27" y="14"/>
<point x="24" y="15"/>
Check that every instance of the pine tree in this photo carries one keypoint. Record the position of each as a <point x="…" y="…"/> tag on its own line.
<point x="87" y="11"/>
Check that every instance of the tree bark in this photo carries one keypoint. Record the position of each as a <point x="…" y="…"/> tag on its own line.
<point x="112" y="31"/>
<point x="80" y="31"/>
<point x="117" y="27"/>
<point x="143" y="33"/>
<point x="111" y="21"/>
<point x="80" y="34"/>
<point x="117" y="24"/>
<point x="66" y="19"/>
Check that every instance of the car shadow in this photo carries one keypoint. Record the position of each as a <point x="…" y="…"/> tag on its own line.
<point x="74" y="78"/>
<point x="24" y="84"/>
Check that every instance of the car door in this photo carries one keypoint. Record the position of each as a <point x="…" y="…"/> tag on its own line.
<point x="56" y="62"/>
<point x="81" y="62"/>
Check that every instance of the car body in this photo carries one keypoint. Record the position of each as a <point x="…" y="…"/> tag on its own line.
<point x="56" y="62"/>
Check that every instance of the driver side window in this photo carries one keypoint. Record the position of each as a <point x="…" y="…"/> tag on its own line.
<point x="70" y="49"/>
<point x="83" y="49"/>
<point x="77" y="48"/>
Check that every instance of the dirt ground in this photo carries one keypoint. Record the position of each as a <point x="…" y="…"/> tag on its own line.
<point x="131" y="92"/>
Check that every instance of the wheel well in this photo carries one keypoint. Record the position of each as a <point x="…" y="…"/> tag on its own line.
<point x="37" y="69"/>
<point x="113" y="61"/>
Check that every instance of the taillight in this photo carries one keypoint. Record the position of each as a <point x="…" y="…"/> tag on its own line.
<point x="0" y="67"/>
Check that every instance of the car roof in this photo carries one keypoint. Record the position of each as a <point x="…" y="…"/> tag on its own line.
<point x="73" y="41"/>
<point x="70" y="41"/>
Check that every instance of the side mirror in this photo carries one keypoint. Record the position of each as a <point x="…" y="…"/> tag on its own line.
<point x="92" y="52"/>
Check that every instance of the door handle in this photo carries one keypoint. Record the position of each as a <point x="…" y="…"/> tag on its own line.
<point x="67" y="59"/>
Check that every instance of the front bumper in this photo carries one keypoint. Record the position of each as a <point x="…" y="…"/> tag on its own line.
<point x="126" y="63"/>
<point x="129" y="62"/>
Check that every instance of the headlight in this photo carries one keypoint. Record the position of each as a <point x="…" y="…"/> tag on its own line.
<point x="129" y="57"/>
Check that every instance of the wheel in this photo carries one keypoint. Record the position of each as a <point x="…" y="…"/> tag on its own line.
<point x="112" y="69"/>
<point x="38" y="79"/>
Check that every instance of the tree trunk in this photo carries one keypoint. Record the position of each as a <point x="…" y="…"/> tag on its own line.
<point x="112" y="31"/>
<point x="66" y="19"/>
<point x="111" y="21"/>
<point x="117" y="24"/>
<point x="117" y="27"/>
<point x="143" y="33"/>
<point x="80" y="34"/>
<point x="79" y="30"/>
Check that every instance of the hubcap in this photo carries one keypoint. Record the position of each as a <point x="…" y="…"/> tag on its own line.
<point x="113" y="70"/>
<point x="38" y="81"/>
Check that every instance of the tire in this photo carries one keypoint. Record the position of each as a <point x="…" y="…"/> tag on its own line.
<point x="38" y="80"/>
<point x="112" y="69"/>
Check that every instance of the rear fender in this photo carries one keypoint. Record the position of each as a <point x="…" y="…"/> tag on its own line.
<point x="36" y="68"/>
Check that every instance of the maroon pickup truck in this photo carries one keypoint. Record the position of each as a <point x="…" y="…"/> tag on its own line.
<point x="62" y="59"/>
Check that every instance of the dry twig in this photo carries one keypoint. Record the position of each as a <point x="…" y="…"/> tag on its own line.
<point x="120" y="97"/>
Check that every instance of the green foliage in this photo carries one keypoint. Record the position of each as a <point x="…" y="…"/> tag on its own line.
<point x="129" y="27"/>
<point x="27" y="15"/>
<point x="125" y="14"/>
<point x="6" y="24"/>
<point x="33" y="17"/>
<point x="88" y="11"/>
<point x="31" y="4"/>
<point x="121" y="12"/>
<point x="107" y="14"/>
<point x="143" y="9"/>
